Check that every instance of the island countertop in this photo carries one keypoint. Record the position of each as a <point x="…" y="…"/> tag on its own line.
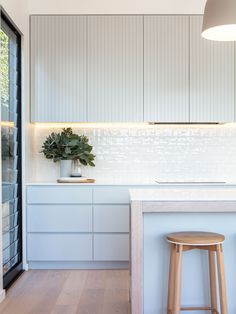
<point x="183" y="194"/>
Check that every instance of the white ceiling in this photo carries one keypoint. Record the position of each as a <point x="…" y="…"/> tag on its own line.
<point x="116" y="6"/>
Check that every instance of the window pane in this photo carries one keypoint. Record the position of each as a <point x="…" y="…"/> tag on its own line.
<point x="11" y="157"/>
<point x="5" y="82"/>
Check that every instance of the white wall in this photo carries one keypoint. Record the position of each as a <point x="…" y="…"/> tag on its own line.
<point x="116" y="7"/>
<point x="18" y="12"/>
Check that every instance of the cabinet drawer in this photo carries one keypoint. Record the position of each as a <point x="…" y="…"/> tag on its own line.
<point x="111" y="218"/>
<point x="111" y="247"/>
<point x="59" y="247"/>
<point x="111" y="195"/>
<point x="59" y="218"/>
<point x="59" y="195"/>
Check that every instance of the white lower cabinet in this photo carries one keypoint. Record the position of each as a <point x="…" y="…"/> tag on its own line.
<point x="60" y="247"/>
<point x="58" y="195"/>
<point x="78" y="224"/>
<point x="111" y="195"/>
<point x="111" y="218"/>
<point x="59" y="218"/>
<point x="111" y="247"/>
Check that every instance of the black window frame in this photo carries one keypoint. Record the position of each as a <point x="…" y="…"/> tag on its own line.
<point x="17" y="269"/>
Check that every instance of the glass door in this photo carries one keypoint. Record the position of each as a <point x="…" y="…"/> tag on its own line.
<point x="10" y="61"/>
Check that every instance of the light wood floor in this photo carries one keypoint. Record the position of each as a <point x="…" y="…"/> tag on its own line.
<point x="69" y="292"/>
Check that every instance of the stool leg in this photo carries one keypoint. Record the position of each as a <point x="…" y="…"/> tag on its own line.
<point x="171" y="279"/>
<point x="212" y="272"/>
<point x="221" y="278"/>
<point x="177" y="284"/>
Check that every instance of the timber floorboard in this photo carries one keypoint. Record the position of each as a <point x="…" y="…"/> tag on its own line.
<point x="69" y="292"/>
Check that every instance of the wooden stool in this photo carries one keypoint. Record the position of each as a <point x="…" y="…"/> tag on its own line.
<point x="185" y="241"/>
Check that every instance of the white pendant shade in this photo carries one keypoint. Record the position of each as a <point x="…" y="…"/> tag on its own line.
<point x="219" y="21"/>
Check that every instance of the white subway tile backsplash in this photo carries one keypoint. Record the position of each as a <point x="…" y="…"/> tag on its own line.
<point x="136" y="153"/>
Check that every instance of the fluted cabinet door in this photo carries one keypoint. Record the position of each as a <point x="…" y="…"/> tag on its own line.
<point x="211" y="77"/>
<point x="115" y="68"/>
<point x="166" y="68"/>
<point x="58" y="69"/>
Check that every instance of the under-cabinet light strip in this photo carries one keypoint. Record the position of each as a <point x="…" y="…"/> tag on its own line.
<point x="129" y="125"/>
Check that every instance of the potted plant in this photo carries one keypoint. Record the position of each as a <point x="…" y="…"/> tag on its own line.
<point x="66" y="147"/>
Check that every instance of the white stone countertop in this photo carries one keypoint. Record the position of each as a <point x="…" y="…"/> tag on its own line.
<point x="139" y="183"/>
<point x="183" y="194"/>
<point x="98" y="183"/>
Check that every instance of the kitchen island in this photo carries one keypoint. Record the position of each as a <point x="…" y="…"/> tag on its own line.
<point x="154" y="213"/>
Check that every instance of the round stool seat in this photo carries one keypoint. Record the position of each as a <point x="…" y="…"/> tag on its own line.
<point x="195" y="238"/>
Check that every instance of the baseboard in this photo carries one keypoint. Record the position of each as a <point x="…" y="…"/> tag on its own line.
<point x="26" y="266"/>
<point x="2" y="295"/>
<point x="78" y="265"/>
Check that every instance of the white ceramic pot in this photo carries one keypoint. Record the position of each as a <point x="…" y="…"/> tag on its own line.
<point x="76" y="169"/>
<point x="65" y="168"/>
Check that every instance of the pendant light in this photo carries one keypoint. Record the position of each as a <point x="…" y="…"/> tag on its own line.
<point x="219" y="22"/>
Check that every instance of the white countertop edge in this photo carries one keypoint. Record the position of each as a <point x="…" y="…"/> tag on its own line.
<point x="110" y="183"/>
<point x="91" y="184"/>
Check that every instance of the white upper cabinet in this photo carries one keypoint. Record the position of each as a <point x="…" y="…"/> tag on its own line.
<point x="58" y="69"/>
<point x="211" y="77"/>
<point x="115" y="68"/>
<point x="129" y="69"/>
<point x="166" y="68"/>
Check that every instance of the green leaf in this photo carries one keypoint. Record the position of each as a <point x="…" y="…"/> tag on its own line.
<point x="68" y="146"/>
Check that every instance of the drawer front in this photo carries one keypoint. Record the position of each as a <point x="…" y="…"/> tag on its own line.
<point x="111" y="218"/>
<point x="111" y="195"/>
<point x="59" y="218"/>
<point x="59" y="247"/>
<point x="111" y="247"/>
<point x="59" y="195"/>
